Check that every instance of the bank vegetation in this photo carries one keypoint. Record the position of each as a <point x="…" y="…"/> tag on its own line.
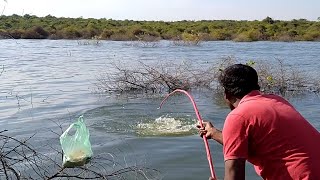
<point x="50" y="27"/>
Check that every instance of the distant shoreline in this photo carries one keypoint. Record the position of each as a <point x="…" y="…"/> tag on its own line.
<point x="193" y="32"/>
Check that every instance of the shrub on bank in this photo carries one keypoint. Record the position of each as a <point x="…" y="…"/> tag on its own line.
<point x="243" y="37"/>
<point x="79" y="28"/>
<point x="35" y="33"/>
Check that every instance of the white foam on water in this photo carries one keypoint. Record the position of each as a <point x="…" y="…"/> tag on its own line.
<point x="167" y="126"/>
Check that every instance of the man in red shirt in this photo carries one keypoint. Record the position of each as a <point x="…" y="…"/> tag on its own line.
<point x="264" y="129"/>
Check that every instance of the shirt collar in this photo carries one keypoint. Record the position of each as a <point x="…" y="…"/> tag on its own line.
<point x="249" y="95"/>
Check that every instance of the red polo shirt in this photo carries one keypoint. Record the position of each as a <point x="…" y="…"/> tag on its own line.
<point x="268" y="132"/>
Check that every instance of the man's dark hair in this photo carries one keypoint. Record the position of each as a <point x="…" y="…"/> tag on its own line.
<point x="238" y="80"/>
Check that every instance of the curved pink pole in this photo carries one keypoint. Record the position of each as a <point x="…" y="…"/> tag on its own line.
<point x="213" y="175"/>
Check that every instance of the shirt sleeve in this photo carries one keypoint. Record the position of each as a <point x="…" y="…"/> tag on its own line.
<point x="235" y="138"/>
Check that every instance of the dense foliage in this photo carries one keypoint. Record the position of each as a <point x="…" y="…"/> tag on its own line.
<point x="50" y="27"/>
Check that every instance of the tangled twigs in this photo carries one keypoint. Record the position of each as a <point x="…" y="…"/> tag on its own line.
<point x="155" y="79"/>
<point x="276" y="77"/>
<point x="19" y="160"/>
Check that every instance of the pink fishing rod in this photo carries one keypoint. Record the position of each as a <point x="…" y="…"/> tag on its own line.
<point x="213" y="175"/>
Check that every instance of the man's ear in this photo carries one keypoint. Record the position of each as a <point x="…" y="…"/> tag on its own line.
<point x="229" y="97"/>
<point x="226" y="95"/>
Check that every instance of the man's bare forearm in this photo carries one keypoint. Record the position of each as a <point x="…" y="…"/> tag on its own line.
<point x="217" y="136"/>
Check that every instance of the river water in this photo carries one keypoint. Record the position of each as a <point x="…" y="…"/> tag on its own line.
<point x="47" y="83"/>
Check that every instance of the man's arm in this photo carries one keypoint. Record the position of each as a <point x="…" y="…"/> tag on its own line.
<point x="235" y="169"/>
<point x="218" y="136"/>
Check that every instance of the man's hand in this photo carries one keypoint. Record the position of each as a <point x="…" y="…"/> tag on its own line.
<point x="207" y="130"/>
<point x="210" y="132"/>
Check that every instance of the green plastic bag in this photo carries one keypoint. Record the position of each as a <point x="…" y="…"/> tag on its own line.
<point x="76" y="148"/>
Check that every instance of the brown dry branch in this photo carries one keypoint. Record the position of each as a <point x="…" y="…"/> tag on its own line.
<point x="186" y="42"/>
<point x="281" y="78"/>
<point x="188" y="39"/>
<point x="163" y="77"/>
<point x="19" y="160"/>
<point x="276" y="77"/>
<point x="144" y="41"/>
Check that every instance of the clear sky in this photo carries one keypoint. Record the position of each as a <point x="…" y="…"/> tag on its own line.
<point x="167" y="10"/>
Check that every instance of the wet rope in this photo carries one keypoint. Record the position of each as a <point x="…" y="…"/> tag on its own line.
<point x="201" y="125"/>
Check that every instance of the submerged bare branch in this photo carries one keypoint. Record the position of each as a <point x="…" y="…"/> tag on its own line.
<point x="277" y="77"/>
<point x="19" y="160"/>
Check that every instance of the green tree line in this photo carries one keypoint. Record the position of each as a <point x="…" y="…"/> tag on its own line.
<point x="50" y="27"/>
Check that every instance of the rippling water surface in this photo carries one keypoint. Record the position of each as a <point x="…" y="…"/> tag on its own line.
<point x="46" y="83"/>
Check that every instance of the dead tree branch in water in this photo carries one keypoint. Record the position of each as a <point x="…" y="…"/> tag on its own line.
<point x="19" y="160"/>
<point x="144" y="41"/>
<point x="276" y="77"/>
<point x="163" y="77"/>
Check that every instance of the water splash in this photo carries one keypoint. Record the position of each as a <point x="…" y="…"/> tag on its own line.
<point x="167" y="126"/>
